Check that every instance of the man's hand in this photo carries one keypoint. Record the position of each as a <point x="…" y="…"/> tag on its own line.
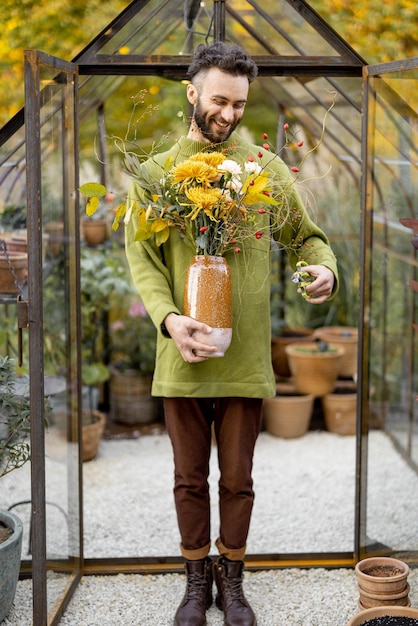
<point x="181" y="329"/>
<point x="322" y="285"/>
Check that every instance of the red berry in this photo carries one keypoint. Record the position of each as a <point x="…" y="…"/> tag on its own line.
<point x="294" y="169"/>
<point x="300" y="144"/>
<point x="266" y="193"/>
<point x="237" y="250"/>
<point x="260" y="154"/>
<point x="265" y="136"/>
<point x="261" y="211"/>
<point x="203" y="229"/>
<point x="266" y="146"/>
<point x="286" y="126"/>
<point x="258" y="234"/>
<point x="251" y="159"/>
<point x="251" y="183"/>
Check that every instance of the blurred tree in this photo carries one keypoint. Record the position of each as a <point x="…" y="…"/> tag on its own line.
<point x="58" y="27"/>
<point x="378" y="31"/>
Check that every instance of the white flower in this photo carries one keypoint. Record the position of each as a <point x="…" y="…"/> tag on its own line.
<point x="230" y="166"/>
<point x="235" y="184"/>
<point x="252" y="167"/>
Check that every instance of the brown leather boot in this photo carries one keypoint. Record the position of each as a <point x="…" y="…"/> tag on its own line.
<point x="198" y="596"/>
<point x="230" y="598"/>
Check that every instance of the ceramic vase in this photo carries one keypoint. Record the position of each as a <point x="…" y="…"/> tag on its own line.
<point x="208" y="299"/>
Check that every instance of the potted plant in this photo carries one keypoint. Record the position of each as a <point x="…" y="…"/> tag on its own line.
<point x="14" y="453"/>
<point x="103" y="279"/>
<point x="133" y="345"/>
<point x="314" y="366"/>
<point x="95" y="225"/>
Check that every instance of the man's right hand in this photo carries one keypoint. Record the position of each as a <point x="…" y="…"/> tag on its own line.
<point x="181" y="329"/>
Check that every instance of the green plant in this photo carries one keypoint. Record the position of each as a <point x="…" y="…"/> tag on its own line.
<point x="14" y="419"/>
<point x="13" y="217"/>
<point x="133" y="339"/>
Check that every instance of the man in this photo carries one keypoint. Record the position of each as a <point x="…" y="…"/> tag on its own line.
<point x="227" y="392"/>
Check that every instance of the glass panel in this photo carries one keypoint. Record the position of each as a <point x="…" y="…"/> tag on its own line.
<point x="393" y="421"/>
<point x="170" y="27"/>
<point x="52" y="172"/>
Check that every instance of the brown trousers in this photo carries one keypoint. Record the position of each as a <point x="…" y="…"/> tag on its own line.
<point x="237" y="423"/>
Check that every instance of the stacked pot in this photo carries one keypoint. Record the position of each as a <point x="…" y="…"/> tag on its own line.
<point x="382" y="581"/>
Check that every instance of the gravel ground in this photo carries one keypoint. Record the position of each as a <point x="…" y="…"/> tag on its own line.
<point x="288" y="597"/>
<point x="307" y="507"/>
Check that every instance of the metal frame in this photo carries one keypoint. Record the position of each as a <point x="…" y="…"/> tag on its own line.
<point x="90" y="63"/>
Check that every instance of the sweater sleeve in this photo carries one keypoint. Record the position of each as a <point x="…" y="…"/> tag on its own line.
<point x="149" y="273"/>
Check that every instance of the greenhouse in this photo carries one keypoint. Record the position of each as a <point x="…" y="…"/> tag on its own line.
<point x="327" y="497"/>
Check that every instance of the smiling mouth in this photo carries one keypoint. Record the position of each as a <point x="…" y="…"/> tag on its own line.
<point x="222" y="124"/>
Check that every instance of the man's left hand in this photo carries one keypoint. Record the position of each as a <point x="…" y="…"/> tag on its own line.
<point x="322" y="285"/>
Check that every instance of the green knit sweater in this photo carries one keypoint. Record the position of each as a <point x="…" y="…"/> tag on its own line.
<point x="159" y="273"/>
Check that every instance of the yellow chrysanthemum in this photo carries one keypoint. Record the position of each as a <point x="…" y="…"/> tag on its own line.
<point x="203" y="200"/>
<point x="193" y="172"/>
<point x="211" y="158"/>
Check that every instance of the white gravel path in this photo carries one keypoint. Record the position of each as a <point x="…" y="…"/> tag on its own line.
<point x="304" y="503"/>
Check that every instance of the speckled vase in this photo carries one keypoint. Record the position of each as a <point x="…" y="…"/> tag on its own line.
<point x="208" y="299"/>
<point x="10" y="555"/>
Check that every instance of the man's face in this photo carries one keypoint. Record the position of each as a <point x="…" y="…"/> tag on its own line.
<point x="219" y="100"/>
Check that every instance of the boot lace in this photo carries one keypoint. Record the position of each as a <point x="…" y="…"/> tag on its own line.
<point x="233" y="589"/>
<point x="196" y="587"/>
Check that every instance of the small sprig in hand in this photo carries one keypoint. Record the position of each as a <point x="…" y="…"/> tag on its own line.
<point x="302" y="278"/>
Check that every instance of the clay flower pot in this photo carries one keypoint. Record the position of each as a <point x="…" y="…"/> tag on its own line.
<point x="347" y="338"/>
<point x="314" y="370"/>
<point x="382" y="612"/>
<point x="278" y="344"/>
<point x="382" y="575"/>
<point x="340" y="409"/>
<point x="288" y="415"/>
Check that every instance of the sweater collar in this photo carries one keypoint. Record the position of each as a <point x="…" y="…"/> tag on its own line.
<point x="190" y="147"/>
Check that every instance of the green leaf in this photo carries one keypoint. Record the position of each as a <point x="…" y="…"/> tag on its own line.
<point x="93" y="189"/>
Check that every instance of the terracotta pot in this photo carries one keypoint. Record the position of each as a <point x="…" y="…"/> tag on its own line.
<point x="56" y="237"/>
<point x="369" y="600"/>
<point x="314" y="372"/>
<point x="15" y="242"/>
<point x="340" y="410"/>
<point x="19" y="262"/>
<point x="382" y="575"/>
<point x="130" y="398"/>
<point x="92" y="433"/>
<point x="208" y="299"/>
<point x="94" y="232"/>
<point x="278" y="344"/>
<point x="347" y="338"/>
<point x="381" y="612"/>
<point x="288" y="416"/>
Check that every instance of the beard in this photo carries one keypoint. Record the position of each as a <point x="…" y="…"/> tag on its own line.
<point x="204" y="124"/>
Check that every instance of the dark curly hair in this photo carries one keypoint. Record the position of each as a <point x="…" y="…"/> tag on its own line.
<point x="230" y="58"/>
